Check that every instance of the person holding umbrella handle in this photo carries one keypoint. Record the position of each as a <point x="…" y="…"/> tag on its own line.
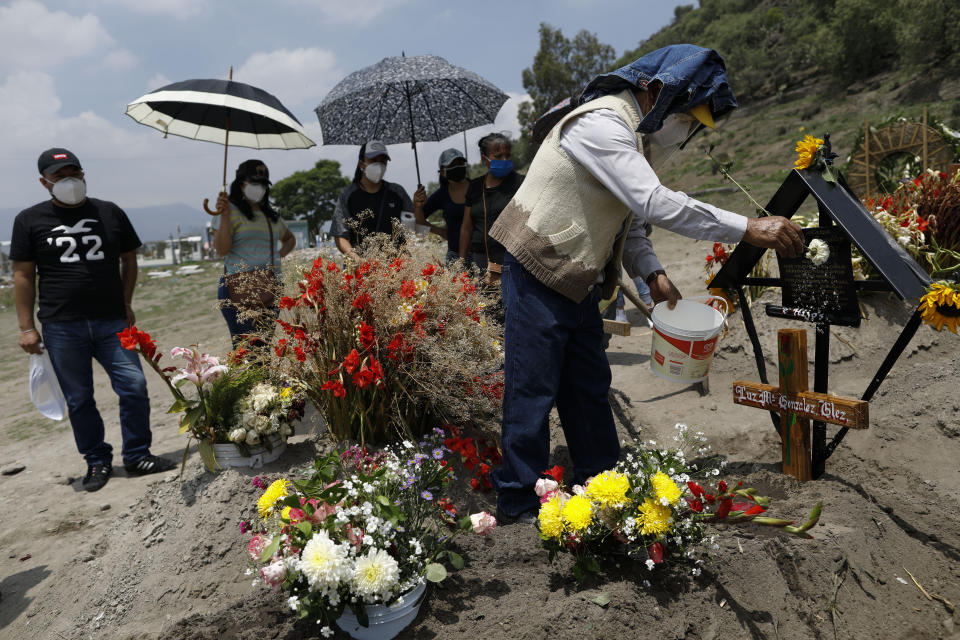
<point x="246" y="237"/>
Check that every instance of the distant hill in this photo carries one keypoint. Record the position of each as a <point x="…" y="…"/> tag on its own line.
<point x="152" y="223"/>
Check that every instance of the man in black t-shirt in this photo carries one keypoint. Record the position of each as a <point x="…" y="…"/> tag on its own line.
<point x="84" y="252"/>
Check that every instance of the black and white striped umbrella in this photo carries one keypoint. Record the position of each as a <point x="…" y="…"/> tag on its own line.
<point x="404" y="99"/>
<point x="221" y="111"/>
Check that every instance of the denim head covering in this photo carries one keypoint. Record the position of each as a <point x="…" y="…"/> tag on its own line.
<point x="690" y="75"/>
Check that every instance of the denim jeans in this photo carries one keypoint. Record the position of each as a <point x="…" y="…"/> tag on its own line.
<point x="553" y="355"/>
<point x="239" y="329"/>
<point x="72" y="346"/>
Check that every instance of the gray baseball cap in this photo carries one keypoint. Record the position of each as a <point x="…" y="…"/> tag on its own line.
<point x="449" y="155"/>
<point x="375" y="148"/>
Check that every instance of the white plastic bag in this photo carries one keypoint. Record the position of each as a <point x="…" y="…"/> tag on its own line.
<point x="45" y="389"/>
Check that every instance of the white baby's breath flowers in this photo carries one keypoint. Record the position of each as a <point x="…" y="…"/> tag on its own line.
<point x="818" y="251"/>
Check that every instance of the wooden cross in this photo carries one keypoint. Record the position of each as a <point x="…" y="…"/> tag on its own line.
<point x="797" y="406"/>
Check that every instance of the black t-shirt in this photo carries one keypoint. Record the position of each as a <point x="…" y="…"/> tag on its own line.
<point x="496" y="199"/>
<point x="77" y="252"/>
<point x="384" y="206"/>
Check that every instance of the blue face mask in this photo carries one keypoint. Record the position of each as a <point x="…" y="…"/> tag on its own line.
<point x="500" y="168"/>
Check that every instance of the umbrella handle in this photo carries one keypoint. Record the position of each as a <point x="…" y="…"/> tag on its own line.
<point x="206" y="207"/>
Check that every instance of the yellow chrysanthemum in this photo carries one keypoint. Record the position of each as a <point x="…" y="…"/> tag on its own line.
<point x="285" y="514"/>
<point x="940" y="307"/>
<point x="279" y="489"/>
<point x="609" y="489"/>
<point x="655" y="519"/>
<point x="577" y="513"/>
<point x="807" y="148"/>
<point x="285" y="392"/>
<point x="551" y="524"/>
<point x="664" y="487"/>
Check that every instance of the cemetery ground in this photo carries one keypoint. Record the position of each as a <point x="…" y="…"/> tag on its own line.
<point x="153" y="557"/>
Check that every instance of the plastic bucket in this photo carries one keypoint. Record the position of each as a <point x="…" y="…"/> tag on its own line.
<point x="385" y="621"/>
<point x="684" y="338"/>
<point x="228" y="455"/>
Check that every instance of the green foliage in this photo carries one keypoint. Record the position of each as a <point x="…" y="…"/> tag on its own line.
<point x="310" y="195"/>
<point x="767" y="45"/>
<point x="561" y="68"/>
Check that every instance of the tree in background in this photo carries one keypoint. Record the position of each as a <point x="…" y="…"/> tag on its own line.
<point x="310" y="195"/>
<point x="561" y="68"/>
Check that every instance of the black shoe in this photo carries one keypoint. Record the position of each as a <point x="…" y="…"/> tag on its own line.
<point x="150" y="464"/>
<point x="527" y="517"/>
<point x="97" y="476"/>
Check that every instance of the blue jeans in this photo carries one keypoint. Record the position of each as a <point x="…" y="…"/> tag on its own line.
<point x="72" y="346"/>
<point x="553" y="354"/>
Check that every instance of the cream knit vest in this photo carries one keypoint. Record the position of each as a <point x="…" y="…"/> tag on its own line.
<point x="562" y="224"/>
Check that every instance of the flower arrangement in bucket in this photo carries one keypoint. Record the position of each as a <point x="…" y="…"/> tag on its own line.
<point x="213" y="398"/>
<point x="649" y="508"/>
<point x="385" y="346"/>
<point x="356" y="541"/>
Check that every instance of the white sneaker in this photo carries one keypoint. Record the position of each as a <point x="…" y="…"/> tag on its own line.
<point x="621" y="315"/>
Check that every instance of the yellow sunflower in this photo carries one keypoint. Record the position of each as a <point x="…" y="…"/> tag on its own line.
<point x="807" y="148"/>
<point x="655" y="519"/>
<point x="940" y="306"/>
<point x="279" y="489"/>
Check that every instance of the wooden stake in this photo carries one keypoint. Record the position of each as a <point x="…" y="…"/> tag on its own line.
<point x="866" y="153"/>
<point x="924" y="139"/>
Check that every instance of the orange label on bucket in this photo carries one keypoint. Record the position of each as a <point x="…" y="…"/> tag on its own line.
<point x="679" y="359"/>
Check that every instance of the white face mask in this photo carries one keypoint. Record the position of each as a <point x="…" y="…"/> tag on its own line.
<point x="69" y="190"/>
<point x="375" y="171"/>
<point x="254" y="192"/>
<point x="675" y="129"/>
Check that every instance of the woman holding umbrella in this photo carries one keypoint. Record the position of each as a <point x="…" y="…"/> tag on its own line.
<point x="246" y="236"/>
<point x="379" y="201"/>
<point x="486" y="198"/>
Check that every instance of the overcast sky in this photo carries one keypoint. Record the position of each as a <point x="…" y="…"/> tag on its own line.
<point x="69" y="67"/>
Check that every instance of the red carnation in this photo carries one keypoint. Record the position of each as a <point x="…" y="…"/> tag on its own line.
<point x="556" y="472"/>
<point x="429" y="270"/>
<point x="366" y="335"/>
<point x="407" y="289"/>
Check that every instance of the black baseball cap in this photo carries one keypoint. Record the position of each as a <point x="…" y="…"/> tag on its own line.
<point x="253" y="171"/>
<point x="52" y="160"/>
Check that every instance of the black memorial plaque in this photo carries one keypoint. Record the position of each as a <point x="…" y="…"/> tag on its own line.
<point x="825" y="293"/>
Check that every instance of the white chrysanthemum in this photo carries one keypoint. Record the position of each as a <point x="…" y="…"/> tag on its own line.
<point x="238" y="435"/>
<point x="252" y="438"/>
<point x="374" y="574"/>
<point x="324" y="562"/>
<point x="818" y="251"/>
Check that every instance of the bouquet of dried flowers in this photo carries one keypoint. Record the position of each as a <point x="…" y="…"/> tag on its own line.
<point x="362" y="528"/>
<point x="649" y="507"/>
<point x="384" y="346"/>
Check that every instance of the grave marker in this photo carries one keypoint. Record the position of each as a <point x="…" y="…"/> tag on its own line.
<point x="840" y="212"/>
<point x="797" y="405"/>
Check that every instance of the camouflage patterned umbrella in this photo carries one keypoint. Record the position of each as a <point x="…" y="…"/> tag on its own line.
<point x="400" y="99"/>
